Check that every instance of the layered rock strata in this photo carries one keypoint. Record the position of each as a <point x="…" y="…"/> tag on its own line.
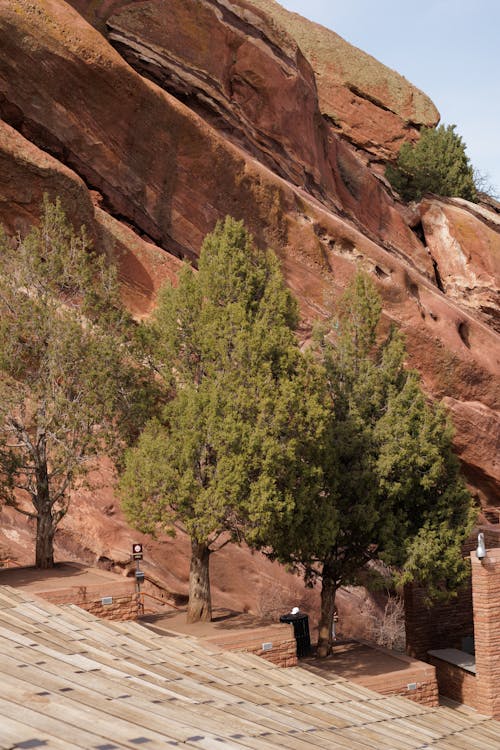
<point x="371" y="105"/>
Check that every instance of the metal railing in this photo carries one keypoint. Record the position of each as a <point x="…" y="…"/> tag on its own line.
<point x="141" y="604"/>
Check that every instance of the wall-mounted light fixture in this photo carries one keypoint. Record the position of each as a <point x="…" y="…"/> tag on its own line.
<point x="481" y="548"/>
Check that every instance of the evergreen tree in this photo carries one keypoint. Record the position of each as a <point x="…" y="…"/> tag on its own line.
<point x="437" y="163"/>
<point x="232" y="452"/>
<point x="392" y="489"/>
<point x="65" y="387"/>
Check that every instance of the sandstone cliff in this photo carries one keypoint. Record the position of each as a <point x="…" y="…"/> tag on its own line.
<point x="154" y="122"/>
<point x="371" y="105"/>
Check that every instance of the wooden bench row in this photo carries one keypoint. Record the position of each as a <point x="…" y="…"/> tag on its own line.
<point x="73" y="681"/>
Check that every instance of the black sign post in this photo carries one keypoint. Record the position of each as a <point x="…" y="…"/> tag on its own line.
<point x="139" y="575"/>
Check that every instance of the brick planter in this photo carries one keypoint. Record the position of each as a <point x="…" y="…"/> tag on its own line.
<point x="456" y="683"/>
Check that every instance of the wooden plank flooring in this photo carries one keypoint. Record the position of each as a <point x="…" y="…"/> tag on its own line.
<point x="72" y="681"/>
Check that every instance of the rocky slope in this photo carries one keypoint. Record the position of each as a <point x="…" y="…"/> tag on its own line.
<point x="370" y="105"/>
<point x="152" y="124"/>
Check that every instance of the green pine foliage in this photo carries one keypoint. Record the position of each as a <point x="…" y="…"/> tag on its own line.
<point x="416" y="463"/>
<point x="392" y="489"/>
<point x="230" y="455"/>
<point x="437" y="163"/>
<point x="65" y="384"/>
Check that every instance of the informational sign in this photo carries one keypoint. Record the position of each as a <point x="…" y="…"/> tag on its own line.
<point x="137" y="551"/>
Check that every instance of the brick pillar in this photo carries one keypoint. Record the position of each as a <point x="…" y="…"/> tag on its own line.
<point x="486" y="602"/>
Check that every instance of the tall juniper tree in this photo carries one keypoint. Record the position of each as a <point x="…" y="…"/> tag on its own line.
<point x="65" y="384"/>
<point x="232" y="453"/>
<point x="392" y="489"/>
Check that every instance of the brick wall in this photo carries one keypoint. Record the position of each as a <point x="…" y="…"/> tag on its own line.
<point x="420" y="687"/>
<point x="123" y="605"/>
<point x="425" y="693"/>
<point x="122" y="608"/>
<point x="475" y="612"/>
<point x="275" y="643"/>
<point x="486" y="601"/>
<point x="395" y="674"/>
<point x="440" y="626"/>
<point x="443" y="625"/>
<point x="456" y="683"/>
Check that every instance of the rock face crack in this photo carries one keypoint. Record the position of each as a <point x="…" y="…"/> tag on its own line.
<point x="245" y="93"/>
<point x="439" y="282"/>
<point x="229" y="16"/>
<point x="46" y="141"/>
<point x="380" y="104"/>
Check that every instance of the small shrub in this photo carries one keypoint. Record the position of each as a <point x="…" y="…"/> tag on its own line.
<point x="388" y="630"/>
<point x="437" y="163"/>
<point x="484" y="186"/>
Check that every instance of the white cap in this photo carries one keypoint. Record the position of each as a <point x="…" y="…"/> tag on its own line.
<point x="295" y="611"/>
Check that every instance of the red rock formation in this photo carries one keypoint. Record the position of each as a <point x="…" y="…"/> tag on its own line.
<point x="245" y="76"/>
<point x="27" y="172"/>
<point x="259" y="92"/>
<point x="371" y="105"/>
<point x="149" y="166"/>
<point x="464" y="241"/>
<point x="142" y="266"/>
<point x="481" y="456"/>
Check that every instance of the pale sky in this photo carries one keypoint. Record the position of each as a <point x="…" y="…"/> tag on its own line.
<point x="450" y="49"/>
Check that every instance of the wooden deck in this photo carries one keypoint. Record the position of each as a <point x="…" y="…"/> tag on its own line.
<point x="70" y="681"/>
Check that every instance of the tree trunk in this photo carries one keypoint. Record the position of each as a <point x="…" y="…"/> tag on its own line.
<point x="45" y="531"/>
<point x="328" y="591"/>
<point x="200" y="603"/>
<point x="45" y="522"/>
